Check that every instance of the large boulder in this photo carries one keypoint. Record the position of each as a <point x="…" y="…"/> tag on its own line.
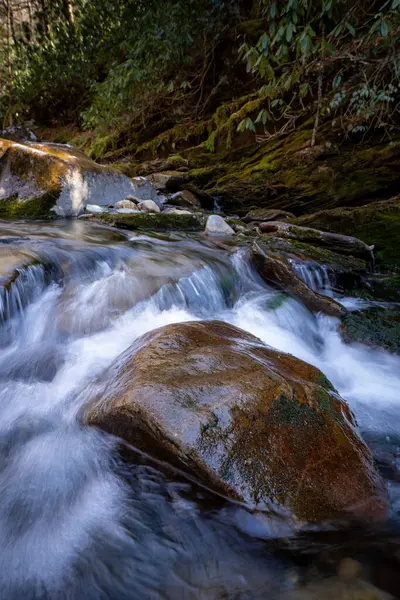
<point x="278" y="271"/>
<point x="39" y="180"/>
<point x="252" y="423"/>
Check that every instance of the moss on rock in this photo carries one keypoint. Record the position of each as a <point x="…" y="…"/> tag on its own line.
<point x="377" y="223"/>
<point x="160" y="221"/>
<point x="36" y="208"/>
<point x="374" y="327"/>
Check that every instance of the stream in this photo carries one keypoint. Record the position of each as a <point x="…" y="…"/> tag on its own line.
<point x="78" y="521"/>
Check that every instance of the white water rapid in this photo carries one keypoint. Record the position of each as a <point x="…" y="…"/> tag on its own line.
<point x="75" y="521"/>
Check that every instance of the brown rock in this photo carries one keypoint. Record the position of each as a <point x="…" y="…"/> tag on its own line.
<point x="274" y="269"/>
<point x="268" y="214"/>
<point x="184" y="199"/>
<point x="167" y="180"/>
<point x="253" y="423"/>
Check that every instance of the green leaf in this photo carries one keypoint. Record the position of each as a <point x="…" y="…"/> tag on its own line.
<point x="262" y="117"/>
<point x="289" y="32"/>
<point x="351" y="29"/>
<point x="384" y="29"/>
<point x="272" y="10"/>
<point x="395" y="4"/>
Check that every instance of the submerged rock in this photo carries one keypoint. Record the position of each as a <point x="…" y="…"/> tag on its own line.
<point x="342" y="244"/>
<point x="251" y="422"/>
<point x="40" y="180"/>
<point x="216" y="225"/>
<point x="276" y="270"/>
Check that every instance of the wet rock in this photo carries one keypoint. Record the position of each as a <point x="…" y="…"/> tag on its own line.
<point x="216" y="225"/>
<point x="276" y="270"/>
<point x="94" y="209"/>
<point x="376" y="326"/>
<point x="127" y="203"/>
<point x="341" y="244"/>
<point x="250" y="422"/>
<point x="149" y="206"/>
<point x="268" y="214"/>
<point x="347" y="272"/>
<point x="42" y="180"/>
<point x="167" y="180"/>
<point x="185" y="198"/>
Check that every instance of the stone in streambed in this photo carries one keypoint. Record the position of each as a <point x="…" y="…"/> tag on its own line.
<point x="216" y="225"/>
<point x="250" y="422"/>
<point x="94" y="209"/>
<point x="149" y="206"/>
<point x="185" y="199"/>
<point x="126" y="203"/>
<point x="275" y="269"/>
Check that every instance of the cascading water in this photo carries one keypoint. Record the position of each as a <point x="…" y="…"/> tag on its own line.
<point x="75" y="520"/>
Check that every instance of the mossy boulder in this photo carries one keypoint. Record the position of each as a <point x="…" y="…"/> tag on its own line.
<point x="160" y="221"/>
<point x="43" y="180"/>
<point x="252" y="423"/>
<point x="376" y="326"/>
<point x="376" y="223"/>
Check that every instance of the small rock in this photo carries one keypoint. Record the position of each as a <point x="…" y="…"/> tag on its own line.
<point x="267" y="214"/>
<point x="216" y="225"/>
<point x="185" y="198"/>
<point x="171" y="180"/>
<point x="149" y="206"/>
<point x="127" y="211"/>
<point x="349" y="569"/>
<point x="129" y="202"/>
<point x="94" y="209"/>
<point x="177" y="211"/>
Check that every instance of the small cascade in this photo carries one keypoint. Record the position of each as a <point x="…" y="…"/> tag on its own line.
<point x="318" y="277"/>
<point x="25" y="288"/>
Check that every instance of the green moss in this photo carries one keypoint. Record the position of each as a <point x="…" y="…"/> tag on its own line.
<point x="377" y="223"/>
<point x="36" y="208"/>
<point x="324" y="382"/>
<point x="374" y="327"/>
<point x="161" y="221"/>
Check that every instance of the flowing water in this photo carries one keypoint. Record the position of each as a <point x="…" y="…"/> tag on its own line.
<point x="76" y="521"/>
